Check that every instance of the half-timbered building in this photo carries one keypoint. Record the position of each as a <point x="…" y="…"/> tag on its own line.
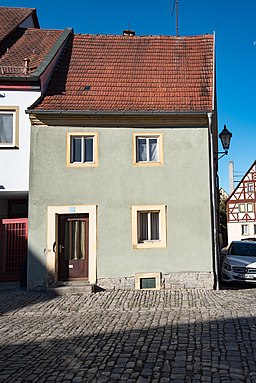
<point x="241" y="206"/>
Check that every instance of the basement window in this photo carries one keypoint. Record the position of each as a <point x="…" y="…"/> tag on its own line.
<point x="148" y="281"/>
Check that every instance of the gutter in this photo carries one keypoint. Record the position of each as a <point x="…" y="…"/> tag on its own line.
<point x="114" y="113"/>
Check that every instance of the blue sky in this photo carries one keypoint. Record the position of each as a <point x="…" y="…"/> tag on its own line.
<point x="234" y="24"/>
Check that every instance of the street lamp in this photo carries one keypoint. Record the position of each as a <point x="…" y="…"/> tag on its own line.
<point x="225" y="137"/>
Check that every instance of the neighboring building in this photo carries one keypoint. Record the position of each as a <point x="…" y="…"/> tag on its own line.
<point x="223" y="195"/>
<point x="27" y="58"/>
<point x="223" y="240"/>
<point x="123" y="170"/>
<point x="241" y="206"/>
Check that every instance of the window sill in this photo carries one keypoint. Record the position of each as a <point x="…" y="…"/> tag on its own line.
<point x="147" y="164"/>
<point x="82" y="165"/>
<point x="2" y="146"/>
<point x="149" y="245"/>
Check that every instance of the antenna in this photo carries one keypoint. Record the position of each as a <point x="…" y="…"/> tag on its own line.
<point x="176" y="7"/>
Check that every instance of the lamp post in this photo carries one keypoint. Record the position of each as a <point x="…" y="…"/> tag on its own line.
<point x="225" y="137"/>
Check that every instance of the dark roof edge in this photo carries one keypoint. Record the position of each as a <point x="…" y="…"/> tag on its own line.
<point x="51" y="54"/>
<point x="34" y="16"/>
<point x="112" y="113"/>
<point x="20" y="79"/>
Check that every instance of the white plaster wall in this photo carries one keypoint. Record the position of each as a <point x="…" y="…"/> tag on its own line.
<point x="235" y="231"/>
<point x="14" y="163"/>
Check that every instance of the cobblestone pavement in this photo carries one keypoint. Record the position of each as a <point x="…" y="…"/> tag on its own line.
<point x="128" y="336"/>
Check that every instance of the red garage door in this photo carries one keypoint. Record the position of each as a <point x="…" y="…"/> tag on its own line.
<point x="13" y="247"/>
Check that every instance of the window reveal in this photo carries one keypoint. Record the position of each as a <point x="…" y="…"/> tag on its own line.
<point x="82" y="149"/>
<point x="147" y="149"/>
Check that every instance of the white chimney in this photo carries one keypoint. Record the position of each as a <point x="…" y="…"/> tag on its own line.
<point x="231" y="176"/>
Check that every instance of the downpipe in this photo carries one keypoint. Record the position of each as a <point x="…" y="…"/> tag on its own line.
<point x="213" y="206"/>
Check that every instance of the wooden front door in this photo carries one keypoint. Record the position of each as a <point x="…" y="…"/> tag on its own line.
<point x="72" y="246"/>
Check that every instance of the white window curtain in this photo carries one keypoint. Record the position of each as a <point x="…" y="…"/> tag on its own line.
<point x="142" y="149"/>
<point x="88" y="146"/>
<point x="6" y="128"/>
<point x="143" y="227"/>
<point x="147" y="149"/>
<point x="153" y="150"/>
<point x="76" y="155"/>
<point x="154" y="218"/>
<point x="148" y="226"/>
<point x="75" y="237"/>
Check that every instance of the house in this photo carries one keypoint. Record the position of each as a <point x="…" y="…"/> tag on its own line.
<point x="223" y="239"/>
<point x="123" y="165"/>
<point x="241" y="206"/>
<point x="27" y="57"/>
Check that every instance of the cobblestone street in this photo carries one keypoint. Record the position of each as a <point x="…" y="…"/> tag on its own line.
<point x="128" y="336"/>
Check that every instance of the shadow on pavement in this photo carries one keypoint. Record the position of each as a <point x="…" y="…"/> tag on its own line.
<point x="14" y="298"/>
<point x="237" y="286"/>
<point x="129" y="347"/>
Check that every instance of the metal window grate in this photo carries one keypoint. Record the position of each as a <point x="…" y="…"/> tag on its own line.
<point x="13" y="242"/>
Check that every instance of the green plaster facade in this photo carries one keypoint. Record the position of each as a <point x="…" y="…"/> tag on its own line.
<point x="182" y="184"/>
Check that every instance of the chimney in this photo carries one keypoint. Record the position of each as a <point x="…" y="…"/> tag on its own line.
<point x="26" y="65"/>
<point x="128" y="32"/>
<point x="231" y="176"/>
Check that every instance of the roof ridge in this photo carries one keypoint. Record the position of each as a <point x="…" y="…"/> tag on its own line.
<point x="32" y="9"/>
<point x="139" y="36"/>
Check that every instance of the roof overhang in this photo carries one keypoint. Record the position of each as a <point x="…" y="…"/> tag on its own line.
<point x="118" y="118"/>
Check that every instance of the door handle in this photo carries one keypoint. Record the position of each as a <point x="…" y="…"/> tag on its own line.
<point x="60" y="249"/>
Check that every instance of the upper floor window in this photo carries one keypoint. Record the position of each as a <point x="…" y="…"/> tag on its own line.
<point x="249" y="207"/>
<point x="147" y="149"/>
<point x="241" y="208"/>
<point x="8" y="127"/>
<point x="250" y="187"/>
<point x="82" y="149"/>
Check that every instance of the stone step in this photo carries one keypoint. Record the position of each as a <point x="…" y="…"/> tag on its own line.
<point x="72" y="287"/>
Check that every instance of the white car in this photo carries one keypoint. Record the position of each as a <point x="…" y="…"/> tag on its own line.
<point x="239" y="264"/>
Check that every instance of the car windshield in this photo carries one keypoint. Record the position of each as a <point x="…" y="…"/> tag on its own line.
<point x="242" y="248"/>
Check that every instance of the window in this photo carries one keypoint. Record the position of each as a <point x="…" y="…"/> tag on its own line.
<point x="9" y="127"/>
<point x="250" y="187"/>
<point x="241" y="208"/>
<point x="250" y="207"/>
<point x="82" y="149"/>
<point x="254" y="229"/>
<point x="148" y="281"/>
<point x="148" y="226"/>
<point x="245" y="229"/>
<point x="147" y="149"/>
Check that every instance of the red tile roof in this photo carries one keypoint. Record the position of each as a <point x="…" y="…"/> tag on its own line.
<point x="11" y="18"/>
<point x="34" y="45"/>
<point x="141" y="73"/>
